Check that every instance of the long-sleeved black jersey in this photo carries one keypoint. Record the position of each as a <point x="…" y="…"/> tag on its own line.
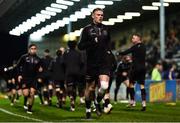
<point x="123" y="67"/>
<point x="113" y="63"/>
<point x="46" y="62"/>
<point x="29" y="65"/>
<point x="138" y="56"/>
<point x="73" y="62"/>
<point x="95" y="40"/>
<point x="83" y="59"/>
<point x="10" y="73"/>
<point x="57" y="69"/>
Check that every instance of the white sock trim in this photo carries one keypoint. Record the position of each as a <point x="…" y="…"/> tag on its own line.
<point x="88" y="110"/>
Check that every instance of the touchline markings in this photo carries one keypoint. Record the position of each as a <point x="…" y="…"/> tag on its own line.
<point x="25" y="117"/>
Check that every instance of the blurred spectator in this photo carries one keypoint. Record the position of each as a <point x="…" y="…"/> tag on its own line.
<point x="156" y="72"/>
<point x="171" y="44"/>
<point x="170" y="73"/>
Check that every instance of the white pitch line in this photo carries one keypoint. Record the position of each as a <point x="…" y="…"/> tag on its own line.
<point x="25" y="117"/>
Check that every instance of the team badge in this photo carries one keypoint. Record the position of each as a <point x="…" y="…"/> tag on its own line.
<point x="105" y="32"/>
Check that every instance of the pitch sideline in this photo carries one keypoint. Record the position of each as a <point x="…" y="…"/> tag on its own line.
<point x="25" y="117"/>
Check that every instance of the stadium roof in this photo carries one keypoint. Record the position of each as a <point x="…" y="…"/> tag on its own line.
<point x="25" y="17"/>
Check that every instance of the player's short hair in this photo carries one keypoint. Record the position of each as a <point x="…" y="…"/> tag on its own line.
<point x="47" y="51"/>
<point x="31" y="45"/>
<point x="72" y="44"/>
<point x="97" y="9"/>
<point x="58" y="52"/>
<point x="138" y="35"/>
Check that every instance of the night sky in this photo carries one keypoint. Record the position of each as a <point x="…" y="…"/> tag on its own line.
<point x="11" y="48"/>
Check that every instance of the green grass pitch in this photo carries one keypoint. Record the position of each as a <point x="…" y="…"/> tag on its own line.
<point x="156" y="112"/>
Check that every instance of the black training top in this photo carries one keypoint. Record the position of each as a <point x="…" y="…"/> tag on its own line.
<point x="57" y="69"/>
<point x="30" y="65"/>
<point x="95" y="40"/>
<point x="138" y="56"/>
<point x="73" y="62"/>
<point x="123" y="67"/>
<point x="46" y="62"/>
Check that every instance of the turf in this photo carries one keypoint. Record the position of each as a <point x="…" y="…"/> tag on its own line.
<point x="156" y="112"/>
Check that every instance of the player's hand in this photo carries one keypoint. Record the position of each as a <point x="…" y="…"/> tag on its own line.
<point x="5" y="69"/>
<point x="96" y="39"/>
<point x="124" y="73"/>
<point x="40" y="69"/>
<point x="19" y="78"/>
<point x="39" y="80"/>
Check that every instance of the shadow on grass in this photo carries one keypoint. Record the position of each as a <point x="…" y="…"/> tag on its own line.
<point x="132" y="109"/>
<point x="80" y="119"/>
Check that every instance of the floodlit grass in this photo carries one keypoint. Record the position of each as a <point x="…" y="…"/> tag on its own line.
<point x="156" y="112"/>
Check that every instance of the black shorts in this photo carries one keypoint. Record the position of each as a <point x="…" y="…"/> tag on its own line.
<point x="82" y="79"/>
<point x="45" y="76"/>
<point x="39" y="85"/>
<point x="59" y="84"/>
<point x="137" y="76"/>
<point x="72" y="79"/>
<point x="29" y="83"/>
<point x="71" y="89"/>
<point x="99" y="70"/>
<point x="81" y="84"/>
<point x="46" y="81"/>
<point x="93" y="73"/>
<point x="18" y="85"/>
<point x="10" y="86"/>
<point x="121" y="79"/>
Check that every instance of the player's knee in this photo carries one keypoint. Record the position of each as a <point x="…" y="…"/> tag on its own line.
<point x="142" y="86"/>
<point x="126" y="83"/>
<point x="104" y="86"/>
<point x="32" y="93"/>
<point x="90" y="88"/>
<point x="19" y="92"/>
<point x="87" y="93"/>
<point x="57" y="89"/>
<point x="45" y="89"/>
<point x="131" y="85"/>
<point x="71" y="97"/>
<point x="25" y="92"/>
<point x="13" y="91"/>
<point x="50" y="87"/>
<point x="106" y="96"/>
<point x="61" y="92"/>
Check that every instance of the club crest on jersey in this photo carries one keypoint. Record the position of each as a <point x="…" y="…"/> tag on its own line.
<point x="27" y="59"/>
<point x="92" y="32"/>
<point x="35" y="61"/>
<point x="105" y="32"/>
<point x="108" y="52"/>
